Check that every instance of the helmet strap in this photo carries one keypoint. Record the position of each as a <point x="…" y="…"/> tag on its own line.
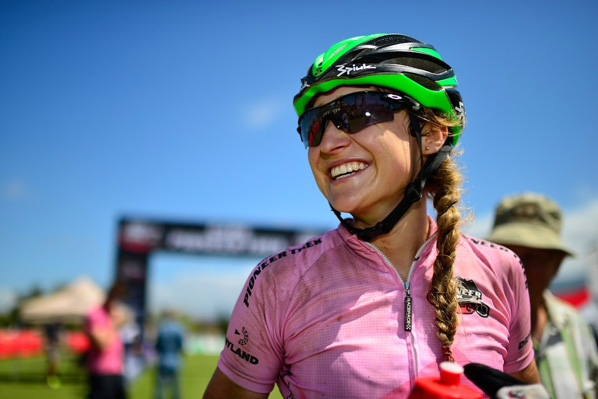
<point x="413" y="191"/>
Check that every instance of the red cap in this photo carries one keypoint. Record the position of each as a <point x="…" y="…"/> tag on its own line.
<point x="448" y="386"/>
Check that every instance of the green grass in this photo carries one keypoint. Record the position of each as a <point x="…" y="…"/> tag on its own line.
<point x="25" y="379"/>
<point x="196" y="374"/>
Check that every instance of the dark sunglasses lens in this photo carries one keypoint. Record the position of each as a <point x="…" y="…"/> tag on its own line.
<point x="310" y="125"/>
<point x="368" y="109"/>
<point x="352" y="113"/>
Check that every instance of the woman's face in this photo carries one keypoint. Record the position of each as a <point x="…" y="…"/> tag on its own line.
<point x="364" y="173"/>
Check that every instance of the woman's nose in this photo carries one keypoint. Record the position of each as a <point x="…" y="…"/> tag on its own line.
<point x="333" y="138"/>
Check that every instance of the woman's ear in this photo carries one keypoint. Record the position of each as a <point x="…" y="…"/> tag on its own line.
<point x="434" y="138"/>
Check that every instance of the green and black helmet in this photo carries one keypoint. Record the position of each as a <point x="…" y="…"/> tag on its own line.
<point x="402" y="64"/>
<point x="393" y="61"/>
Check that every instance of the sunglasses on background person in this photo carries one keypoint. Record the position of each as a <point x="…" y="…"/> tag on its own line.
<point x="351" y="113"/>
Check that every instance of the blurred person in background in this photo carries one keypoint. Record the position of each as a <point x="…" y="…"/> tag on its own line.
<point x="365" y="309"/>
<point x="565" y="350"/>
<point x="169" y="348"/>
<point x="105" y="359"/>
<point x="130" y="334"/>
<point x="52" y="346"/>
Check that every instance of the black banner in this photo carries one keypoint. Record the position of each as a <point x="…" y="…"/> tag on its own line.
<point x="144" y="236"/>
<point x="139" y="238"/>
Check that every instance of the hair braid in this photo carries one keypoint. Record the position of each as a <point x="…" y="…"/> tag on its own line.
<point x="444" y="188"/>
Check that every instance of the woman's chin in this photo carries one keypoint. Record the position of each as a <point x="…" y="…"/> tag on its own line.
<point x="354" y="214"/>
<point x="343" y="207"/>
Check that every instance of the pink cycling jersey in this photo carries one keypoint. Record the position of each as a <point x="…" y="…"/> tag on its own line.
<point x="110" y="360"/>
<point x="327" y="319"/>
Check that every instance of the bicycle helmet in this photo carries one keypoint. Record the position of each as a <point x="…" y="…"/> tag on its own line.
<point x="400" y="63"/>
<point x="394" y="61"/>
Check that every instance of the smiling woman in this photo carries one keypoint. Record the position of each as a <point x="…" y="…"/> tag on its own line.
<point x="352" y="313"/>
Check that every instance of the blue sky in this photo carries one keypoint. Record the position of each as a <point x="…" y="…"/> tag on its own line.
<point x="183" y="110"/>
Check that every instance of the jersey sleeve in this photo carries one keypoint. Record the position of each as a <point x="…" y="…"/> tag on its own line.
<point x="253" y="356"/>
<point x="520" y="351"/>
<point x="95" y="319"/>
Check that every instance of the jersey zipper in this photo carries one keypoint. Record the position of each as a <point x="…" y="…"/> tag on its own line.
<point x="408" y="301"/>
<point x="406" y="284"/>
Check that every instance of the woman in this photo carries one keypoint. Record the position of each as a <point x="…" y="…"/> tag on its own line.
<point x="104" y="360"/>
<point x="365" y="309"/>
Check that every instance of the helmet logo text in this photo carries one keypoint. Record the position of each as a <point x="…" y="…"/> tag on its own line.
<point x="347" y="70"/>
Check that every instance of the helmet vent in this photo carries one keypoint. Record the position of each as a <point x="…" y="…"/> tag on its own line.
<point x="426" y="64"/>
<point x="391" y="39"/>
<point x="427" y="83"/>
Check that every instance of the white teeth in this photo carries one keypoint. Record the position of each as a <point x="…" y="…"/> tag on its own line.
<point x="346" y="169"/>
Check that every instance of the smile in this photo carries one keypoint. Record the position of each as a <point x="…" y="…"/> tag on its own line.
<point x="344" y="170"/>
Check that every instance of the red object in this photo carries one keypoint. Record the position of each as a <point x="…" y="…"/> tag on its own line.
<point x="29" y="343"/>
<point x="577" y="298"/>
<point x="19" y="343"/>
<point x="448" y="386"/>
<point x="7" y="345"/>
<point x="77" y="341"/>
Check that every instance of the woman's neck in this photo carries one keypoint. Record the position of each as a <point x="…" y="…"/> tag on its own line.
<point x="401" y="244"/>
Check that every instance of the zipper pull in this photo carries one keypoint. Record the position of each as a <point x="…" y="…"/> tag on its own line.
<point x="408" y="308"/>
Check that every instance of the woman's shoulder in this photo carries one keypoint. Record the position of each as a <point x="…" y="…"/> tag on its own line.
<point x="495" y="259"/>
<point x="299" y="258"/>
<point x="487" y="249"/>
<point x="495" y="267"/>
<point x="284" y="270"/>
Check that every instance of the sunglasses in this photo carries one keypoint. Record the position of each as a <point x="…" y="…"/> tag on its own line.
<point x="351" y="113"/>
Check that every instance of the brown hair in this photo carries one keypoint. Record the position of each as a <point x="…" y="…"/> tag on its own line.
<point x="444" y="189"/>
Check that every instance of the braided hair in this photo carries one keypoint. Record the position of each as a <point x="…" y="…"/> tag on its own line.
<point x="444" y="189"/>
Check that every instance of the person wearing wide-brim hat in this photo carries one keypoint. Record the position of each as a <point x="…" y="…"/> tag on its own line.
<point x="530" y="225"/>
<point x="529" y="220"/>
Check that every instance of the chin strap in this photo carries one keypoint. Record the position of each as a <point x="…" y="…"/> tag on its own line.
<point x="413" y="191"/>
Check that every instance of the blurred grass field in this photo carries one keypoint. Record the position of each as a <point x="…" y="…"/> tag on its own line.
<point x="24" y="378"/>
